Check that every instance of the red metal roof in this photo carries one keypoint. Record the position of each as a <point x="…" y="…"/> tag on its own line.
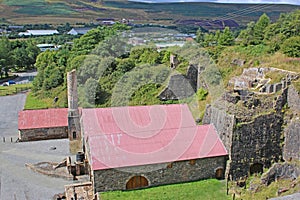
<point x="46" y="118"/>
<point x="141" y="135"/>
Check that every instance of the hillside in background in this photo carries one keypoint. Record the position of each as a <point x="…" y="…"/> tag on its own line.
<point x="58" y="11"/>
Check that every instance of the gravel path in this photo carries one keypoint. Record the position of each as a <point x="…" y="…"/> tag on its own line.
<point x="16" y="181"/>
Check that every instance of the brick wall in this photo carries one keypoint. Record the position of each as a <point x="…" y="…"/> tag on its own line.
<point x="158" y="174"/>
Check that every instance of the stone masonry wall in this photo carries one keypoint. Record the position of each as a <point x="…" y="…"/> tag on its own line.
<point x="291" y="148"/>
<point x="256" y="142"/>
<point x="158" y="174"/>
<point x="293" y="99"/>
<point x="223" y="122"/>
<point x="43" y="134"/>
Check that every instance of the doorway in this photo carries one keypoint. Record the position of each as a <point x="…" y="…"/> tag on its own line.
<point x="136" y="182"/>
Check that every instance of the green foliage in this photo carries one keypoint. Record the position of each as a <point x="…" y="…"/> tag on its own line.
<point x="201" y="94"/>
<point x="91" y="88"/>
<point x="226" y="38"/>
<point x="291" y="47"/>
<point x="206" y="189"/>
<point x="259" y="29"/>
<point x="146" y="95"/>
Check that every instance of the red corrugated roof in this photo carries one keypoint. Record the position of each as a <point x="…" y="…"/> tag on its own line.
<point x="46" y="118"/>
<point x="141" y="135"/>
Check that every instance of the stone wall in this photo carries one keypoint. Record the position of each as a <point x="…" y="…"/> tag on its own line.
<point x="223" y="122"/>
<point x="254" y="142"/>
<point x="293" y="99"/>
<point x="158" y="174"/>
<point x="291" y="148"/>
<point x="43" y="134"/>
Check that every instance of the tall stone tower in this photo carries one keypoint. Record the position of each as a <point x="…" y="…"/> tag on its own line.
<point x="74" y="130"/>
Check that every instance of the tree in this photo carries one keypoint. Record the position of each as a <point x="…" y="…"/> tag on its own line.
<point x="291" y="46"/>
<point x="200" y="37"/>
<point x="245" y="37"/>
<point x="260" y="28"/>
<point x="91" y="91"/>
<point x="5" y="55"/>
<point x="226" y="38"/>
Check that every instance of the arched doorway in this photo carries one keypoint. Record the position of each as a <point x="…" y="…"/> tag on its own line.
<point x="219" y="173"/>
<point x="256" y="168"/>
<point x="136" y="182"/>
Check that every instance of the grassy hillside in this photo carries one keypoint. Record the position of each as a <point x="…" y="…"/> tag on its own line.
<point x="59" y="11"/>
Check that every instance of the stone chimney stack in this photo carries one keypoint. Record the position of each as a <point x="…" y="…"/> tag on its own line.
<point x="74" y="130"/>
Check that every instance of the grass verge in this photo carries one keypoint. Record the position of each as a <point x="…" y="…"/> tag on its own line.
<point x="14" y="89"/>
<point x="211" y="189"/>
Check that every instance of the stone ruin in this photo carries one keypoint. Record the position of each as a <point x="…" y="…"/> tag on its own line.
<point x="254" y="78"/>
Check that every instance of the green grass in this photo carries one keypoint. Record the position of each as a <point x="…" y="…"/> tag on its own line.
<point x="14" y="89"/>
<point x="211" y="189"/>
<point x="34" y="102"/>
<point x="42" y="100"/>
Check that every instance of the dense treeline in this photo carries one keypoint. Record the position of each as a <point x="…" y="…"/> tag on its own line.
<point x="101" y="59"/>
<point x="16" y="55"/>
<point x="281" y="35"/>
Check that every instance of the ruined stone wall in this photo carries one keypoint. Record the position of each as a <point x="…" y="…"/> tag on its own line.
<point x="43" y="134"/>
<point x="158" y="174"/>
<point x="291" y="148"/>
<point x="293" y="99"/>
<point x="256" y="142"/>
<point x="223" y="122"/>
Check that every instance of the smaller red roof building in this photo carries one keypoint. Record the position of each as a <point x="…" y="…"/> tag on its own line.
<point x="45" y="118"/>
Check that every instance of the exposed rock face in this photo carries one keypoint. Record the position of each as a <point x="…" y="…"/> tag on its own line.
<point x="281" y="171"/>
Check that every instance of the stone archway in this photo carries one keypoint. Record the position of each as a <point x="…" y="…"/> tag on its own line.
<point x="136" y="182"/>
<point x="256" y="168"/>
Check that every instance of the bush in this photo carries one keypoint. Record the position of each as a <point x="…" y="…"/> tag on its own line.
<point x="201" y="94"/>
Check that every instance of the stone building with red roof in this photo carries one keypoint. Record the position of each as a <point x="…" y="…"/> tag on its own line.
<point x="141" y="146"/>
<point x="43" y="124"/>
<point x="131" y="147"/>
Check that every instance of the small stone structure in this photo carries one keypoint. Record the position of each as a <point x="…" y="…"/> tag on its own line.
<point x="159" y="174"/>
<point x="79" y="191"/>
